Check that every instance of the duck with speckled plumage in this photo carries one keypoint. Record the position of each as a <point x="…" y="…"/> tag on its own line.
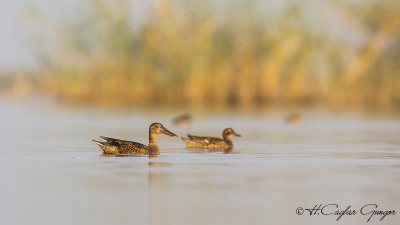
<point x="121" y="147"/>
<point x="212" y="142"/>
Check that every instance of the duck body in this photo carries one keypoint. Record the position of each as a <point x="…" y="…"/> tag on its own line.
<point x="207" y="142"/>
<point x="116" y="147"/>
<point x="199" y="142"/>
<point x="122" y="147"/>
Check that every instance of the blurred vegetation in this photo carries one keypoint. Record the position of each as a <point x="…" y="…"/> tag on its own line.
<point x="194" y="53"/>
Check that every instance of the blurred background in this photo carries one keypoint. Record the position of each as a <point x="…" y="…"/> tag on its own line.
<point x="203" y="54"/>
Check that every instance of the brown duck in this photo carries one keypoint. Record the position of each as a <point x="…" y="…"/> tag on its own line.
<point x="116" y="146"/>
<point x="212" y="142"/>
<point x="183" y="120"/>
<point x="293" y="118"/>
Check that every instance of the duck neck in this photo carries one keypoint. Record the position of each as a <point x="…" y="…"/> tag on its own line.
<point x="153" y="147"/>
<point x="227" y="139"/>
<point x="152" y="139"/>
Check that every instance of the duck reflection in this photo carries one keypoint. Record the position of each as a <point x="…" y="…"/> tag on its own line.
<point x="127" y="155"/>
<point x="155" y="191"/>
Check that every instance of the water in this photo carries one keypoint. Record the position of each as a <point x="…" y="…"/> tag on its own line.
<point x="51" y="173"/>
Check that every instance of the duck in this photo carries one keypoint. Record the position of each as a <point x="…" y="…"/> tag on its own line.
<point x="115" y="146"/>
<point x="183" y="120"/>
<point x="293" y="118"/>
<point x="212" y="142"/>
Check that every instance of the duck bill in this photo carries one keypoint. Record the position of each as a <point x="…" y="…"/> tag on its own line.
<point x="169" y="133"/>
<point x="237" y="135"/>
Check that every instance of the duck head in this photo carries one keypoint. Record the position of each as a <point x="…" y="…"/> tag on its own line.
<point x="158" y="128"/>
<point x="228" y="133"/>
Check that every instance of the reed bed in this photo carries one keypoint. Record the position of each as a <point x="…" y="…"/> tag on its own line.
<point x="192" y="53"/>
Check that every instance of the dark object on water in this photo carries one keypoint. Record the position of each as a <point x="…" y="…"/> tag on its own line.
<point x="116" y="146"/>
<point x="293" y="118"/>
<point x="183" y="120"/>
<point x="212" y="142"/>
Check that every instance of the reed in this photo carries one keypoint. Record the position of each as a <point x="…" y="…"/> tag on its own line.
<point x="236" y="57"/>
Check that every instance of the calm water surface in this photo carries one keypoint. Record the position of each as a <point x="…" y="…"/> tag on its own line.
<point x="51" y="172"/>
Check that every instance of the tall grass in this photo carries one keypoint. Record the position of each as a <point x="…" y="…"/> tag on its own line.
<point x="193" y="53"/>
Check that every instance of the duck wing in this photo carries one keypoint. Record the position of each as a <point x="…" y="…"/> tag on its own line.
<point x="206" y="140"/>
<point x="120" y="143"/>
<point x="192" y="137"/>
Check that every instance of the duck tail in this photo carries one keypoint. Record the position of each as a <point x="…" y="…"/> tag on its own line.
<point x="188" y="141"/>
<point x="185" y="138"/>
<point x="99" y="143"/>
